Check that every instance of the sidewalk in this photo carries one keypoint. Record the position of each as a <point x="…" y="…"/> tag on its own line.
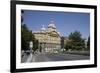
<point x="33" y="58"/>
<point x="29" y="59"/>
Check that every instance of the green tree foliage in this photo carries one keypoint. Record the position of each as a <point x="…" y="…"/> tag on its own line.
<point x="26" y="37"/>
<point x="88" y="44"/>
<point x="75" y="36"/>
<point x="36" y="44"/>
<point x="76" y="42"/>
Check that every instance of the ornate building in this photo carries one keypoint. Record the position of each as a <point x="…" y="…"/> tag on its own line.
<point x="49" y="39"/>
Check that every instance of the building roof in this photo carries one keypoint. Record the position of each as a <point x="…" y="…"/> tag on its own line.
<point x="43" y="28"/>
<point x="52" y="25"/>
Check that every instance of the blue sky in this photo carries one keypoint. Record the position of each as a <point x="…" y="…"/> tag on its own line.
<point x="66" y="22"/>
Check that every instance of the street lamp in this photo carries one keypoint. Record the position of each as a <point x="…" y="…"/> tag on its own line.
<point x="31" y="45"/>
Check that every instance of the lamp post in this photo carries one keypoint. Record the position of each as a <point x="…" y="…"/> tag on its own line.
<point x="31" y="46"/>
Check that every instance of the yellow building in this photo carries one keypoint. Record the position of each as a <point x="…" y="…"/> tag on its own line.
<point x="49" y="39"/>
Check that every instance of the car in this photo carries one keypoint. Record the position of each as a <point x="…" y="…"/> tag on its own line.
<point x="55" y="51"/>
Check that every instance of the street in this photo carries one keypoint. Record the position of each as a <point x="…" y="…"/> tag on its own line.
<point x="54" y="57"/>
<point x="58" y="57"/>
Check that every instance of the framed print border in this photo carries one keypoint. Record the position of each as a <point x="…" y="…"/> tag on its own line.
<point x="13" y="35"/>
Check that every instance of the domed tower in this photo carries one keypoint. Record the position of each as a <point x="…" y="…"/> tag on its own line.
<point x="43" y="28"/>
<point x="51" y="26"/>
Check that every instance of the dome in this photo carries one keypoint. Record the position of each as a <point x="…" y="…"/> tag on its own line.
<point x="43" y="29"/>
<point x="52" y="25"/>
<point x="58" y="33"/>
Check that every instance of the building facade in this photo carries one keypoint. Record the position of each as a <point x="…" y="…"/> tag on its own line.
<point x="49" y="39"/>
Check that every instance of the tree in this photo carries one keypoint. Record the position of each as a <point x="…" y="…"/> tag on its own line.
<point x="88" y="43"/>
<point x="75" y="36"/>
<point x="36" y="44"/>
<point x="76" y="42"/>
<point x="26" y="37"/>
<point x="68" y="45"/>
